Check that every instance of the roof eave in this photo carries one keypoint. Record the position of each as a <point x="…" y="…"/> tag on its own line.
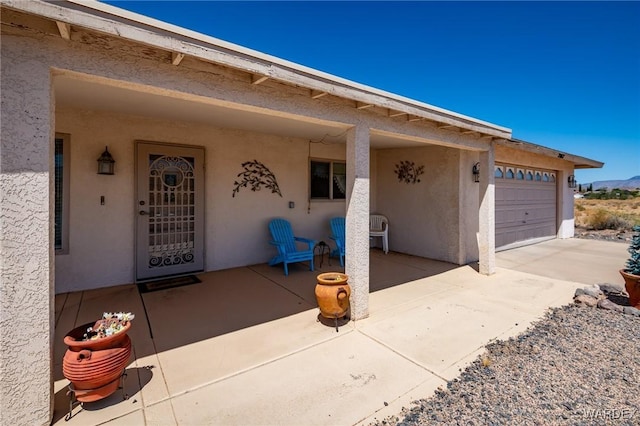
<point x="578" y="161"/>
<point x="117" y="22"/>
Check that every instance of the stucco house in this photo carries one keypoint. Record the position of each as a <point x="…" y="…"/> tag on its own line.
<point x="184" y="115"/>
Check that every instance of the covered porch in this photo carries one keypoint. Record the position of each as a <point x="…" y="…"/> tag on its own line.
<point x="244" y="346"/>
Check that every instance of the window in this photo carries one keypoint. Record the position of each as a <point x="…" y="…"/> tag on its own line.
<point x="61" y="184"/>
<point x="520" y="175"/>
<point x="510" y="173"/>
<point x="328" y="180"/>
<point x="497" y="172"/>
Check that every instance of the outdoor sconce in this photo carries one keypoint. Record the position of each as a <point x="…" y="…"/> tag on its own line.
<point x="572" y="181"/>
<point x="106" y="163"/>
<point x="476" y="172"/>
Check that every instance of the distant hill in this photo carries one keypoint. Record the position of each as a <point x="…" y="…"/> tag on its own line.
<point x="631" y="183"/>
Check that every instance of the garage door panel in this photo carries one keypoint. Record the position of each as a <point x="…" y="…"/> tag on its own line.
<point x="524" y="210"/>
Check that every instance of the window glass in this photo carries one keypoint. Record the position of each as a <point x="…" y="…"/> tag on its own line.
<point x="520" y="175"/>
<point x="538" y="176"/>
<point x="509" y="173"/>
<point x="529" y="175"/>
<point x="61" y="195"/>
<point x="498" y="173"/>
<point x="320" y="179"/>
<point x="59" y="191"/>
<point x="339" y="181"/>
<point x="328" y="180"/>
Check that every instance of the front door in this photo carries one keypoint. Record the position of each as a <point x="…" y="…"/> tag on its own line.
<point x="169" y="210"/>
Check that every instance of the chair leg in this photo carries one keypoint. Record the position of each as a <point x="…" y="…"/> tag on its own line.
<point x="311" y="264"/>
<point x="286" y="268"/>
<point x="385" y="244"/>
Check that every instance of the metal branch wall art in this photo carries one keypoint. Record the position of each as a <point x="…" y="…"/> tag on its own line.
<point x="255" y="176"/>
<point x="408" y="172"/>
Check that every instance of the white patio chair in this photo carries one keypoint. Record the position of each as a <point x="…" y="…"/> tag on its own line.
<point x="379" y="227"/>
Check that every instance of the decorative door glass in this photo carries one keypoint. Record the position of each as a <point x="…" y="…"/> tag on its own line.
<point x="170" y="202"/>
<point x="171" y="210"/>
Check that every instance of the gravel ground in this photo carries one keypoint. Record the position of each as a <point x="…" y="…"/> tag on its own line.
<point x="576" y="366"/>
<point x="620" y="236"/>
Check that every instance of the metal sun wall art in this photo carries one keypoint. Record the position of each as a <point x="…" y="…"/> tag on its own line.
<point x="408" y="172"/>
<point x="255" y="176"/>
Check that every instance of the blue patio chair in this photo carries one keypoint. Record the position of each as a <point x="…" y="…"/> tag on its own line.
<point x="338" y="233"/>
<point x="286" y="244"/>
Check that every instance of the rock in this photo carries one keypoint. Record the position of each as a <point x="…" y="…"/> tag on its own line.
<point x="585" y="299"/>
<point x="593" y="291"/>
<point x="579" y="292"/>
<point x="612" y="290"/>
<point x="630" y="310"/>
<point x="609" y="305"/>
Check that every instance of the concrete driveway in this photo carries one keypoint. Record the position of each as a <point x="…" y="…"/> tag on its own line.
<point x="244" y="346"/>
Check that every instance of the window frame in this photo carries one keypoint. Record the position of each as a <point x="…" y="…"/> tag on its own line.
<point x="61" y="246"/>
<point x="331" y="163"/>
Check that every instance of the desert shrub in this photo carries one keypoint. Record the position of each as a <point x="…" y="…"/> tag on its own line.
<point x="602" y="219"/>
<point x="580" y="207"/>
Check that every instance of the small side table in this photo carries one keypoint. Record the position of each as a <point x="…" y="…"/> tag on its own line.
<point x="320" y="249"/>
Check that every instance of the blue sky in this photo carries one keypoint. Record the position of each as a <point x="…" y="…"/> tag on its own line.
<point x="560" y="74"/>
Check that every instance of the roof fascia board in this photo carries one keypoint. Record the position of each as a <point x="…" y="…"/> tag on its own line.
<point x="117" y="22"/>
<point x="578" y="161"/>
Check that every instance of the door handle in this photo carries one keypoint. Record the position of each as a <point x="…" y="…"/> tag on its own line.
<point x="143" y="213"/>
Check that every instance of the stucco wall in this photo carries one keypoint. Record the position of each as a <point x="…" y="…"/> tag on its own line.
<point x="26" y="279"/>
<point x="424" y="216"/>
<point x="566" y="223"/>
<point x="101" y="240"/>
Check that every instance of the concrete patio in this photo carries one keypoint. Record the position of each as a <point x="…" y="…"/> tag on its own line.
<point x="244" y="346"/>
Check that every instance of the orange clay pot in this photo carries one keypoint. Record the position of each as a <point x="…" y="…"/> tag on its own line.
<point x="332" y="293"/>
<point x="94" y="367"/>
<point x="632" y="285"/>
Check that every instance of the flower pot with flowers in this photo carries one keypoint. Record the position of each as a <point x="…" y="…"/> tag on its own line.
<point x="97" y="355"/>
<point x="631" y="273"/>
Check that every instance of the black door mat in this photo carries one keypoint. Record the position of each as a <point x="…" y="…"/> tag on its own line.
<point x="150" y="286"/>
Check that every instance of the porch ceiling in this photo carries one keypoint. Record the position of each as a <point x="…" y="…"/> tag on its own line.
<point x="71" y="92"/>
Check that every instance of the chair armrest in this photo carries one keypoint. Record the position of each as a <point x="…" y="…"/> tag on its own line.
<point x="338" y="241"/>
<point x="311" y="243"/>
<point x="279" y="245"/>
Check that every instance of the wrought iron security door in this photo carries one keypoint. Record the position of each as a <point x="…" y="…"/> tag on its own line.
<point x="170" y="210"/>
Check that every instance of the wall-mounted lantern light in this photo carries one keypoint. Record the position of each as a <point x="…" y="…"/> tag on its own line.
<point x="572" y="181"/>
<point x="476" y="172"/>
<point x="106" y="163"/>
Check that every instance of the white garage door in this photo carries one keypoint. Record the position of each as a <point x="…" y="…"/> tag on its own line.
<point x="525" y="204"/>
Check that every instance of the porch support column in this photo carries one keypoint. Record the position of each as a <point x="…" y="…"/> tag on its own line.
<point x="26" y="253"/>
<point x="357" y="232"/>
<point x="487" y="217"/>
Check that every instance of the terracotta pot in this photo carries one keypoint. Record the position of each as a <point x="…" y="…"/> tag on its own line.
<point x="94" y="367"/>
<point x="332" y="294"/>
<point x="73" y="339"/>
<point x="632" y="285"/>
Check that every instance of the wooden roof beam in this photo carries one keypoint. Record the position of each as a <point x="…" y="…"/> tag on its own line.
<point x="363" y="105"/>
<point x="413" y="118"/>
<point x="176" y="58"/>
<point x="447" y="127"/>
<point x="396" y="113"/>
<point x="65" y="30"/>
<point x="316" y="94"/>
<point x="257" y="79"/>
